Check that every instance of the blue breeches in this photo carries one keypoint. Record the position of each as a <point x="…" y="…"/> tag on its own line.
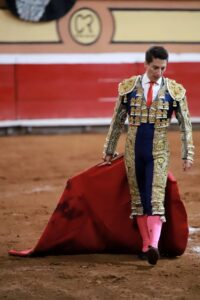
<point x="144" y="164"/>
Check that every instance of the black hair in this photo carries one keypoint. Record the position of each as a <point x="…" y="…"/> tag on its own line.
<point x="156" y="52"/>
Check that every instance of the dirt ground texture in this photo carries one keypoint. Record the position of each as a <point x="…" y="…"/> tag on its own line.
<point x="33" y="173"/>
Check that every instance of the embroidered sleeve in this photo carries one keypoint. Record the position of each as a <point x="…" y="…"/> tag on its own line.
<point x="116" y="126"/>
<point x="183" y="117"/>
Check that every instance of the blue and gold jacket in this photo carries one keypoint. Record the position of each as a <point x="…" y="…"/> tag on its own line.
<point x="132" y="104"/>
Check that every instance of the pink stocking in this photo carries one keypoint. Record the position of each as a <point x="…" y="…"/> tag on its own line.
<point x="142" y="224"/>
<point x="154" y="224"/>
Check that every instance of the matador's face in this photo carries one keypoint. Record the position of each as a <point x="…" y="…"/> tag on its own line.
<point x="156" y="68"/>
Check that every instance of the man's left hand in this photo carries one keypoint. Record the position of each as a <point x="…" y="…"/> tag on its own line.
<point x="187" y="164"/>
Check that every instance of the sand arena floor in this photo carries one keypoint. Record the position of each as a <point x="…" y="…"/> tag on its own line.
<point x="33" y="173"/>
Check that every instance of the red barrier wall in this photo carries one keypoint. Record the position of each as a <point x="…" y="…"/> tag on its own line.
<point x="77" y="90"/>
<point x="7" y="93"/>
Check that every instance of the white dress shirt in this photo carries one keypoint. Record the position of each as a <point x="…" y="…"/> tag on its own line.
<point x="145" y="85"/>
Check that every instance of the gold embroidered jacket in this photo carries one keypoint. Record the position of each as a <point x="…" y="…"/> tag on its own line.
<point x="160" y="112"/>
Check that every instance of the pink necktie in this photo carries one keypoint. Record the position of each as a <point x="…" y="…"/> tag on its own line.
<point x="150" y="94"/>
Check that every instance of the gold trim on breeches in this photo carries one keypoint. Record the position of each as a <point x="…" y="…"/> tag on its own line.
<point x="161" y="162"/>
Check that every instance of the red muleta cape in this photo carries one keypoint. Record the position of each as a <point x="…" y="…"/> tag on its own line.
<point x="92" y="216"/>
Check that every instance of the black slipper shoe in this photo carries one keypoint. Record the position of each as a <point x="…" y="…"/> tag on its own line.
<point x="142" y="255"/>
<point x="152" y="255"/>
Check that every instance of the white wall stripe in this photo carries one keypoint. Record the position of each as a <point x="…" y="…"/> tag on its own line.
<point x="56" y="122"/>
<point x="67" y="122"/>
<point x="93" y="58"/>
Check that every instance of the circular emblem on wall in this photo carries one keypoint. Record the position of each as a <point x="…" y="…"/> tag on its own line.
<point x="85" y="26"/>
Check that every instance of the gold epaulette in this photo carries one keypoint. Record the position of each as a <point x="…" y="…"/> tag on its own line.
<point x="176" y="90"/>
<point x="127" y="85"/>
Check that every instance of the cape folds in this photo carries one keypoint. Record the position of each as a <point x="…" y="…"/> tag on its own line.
<point x="92" y="216"/>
